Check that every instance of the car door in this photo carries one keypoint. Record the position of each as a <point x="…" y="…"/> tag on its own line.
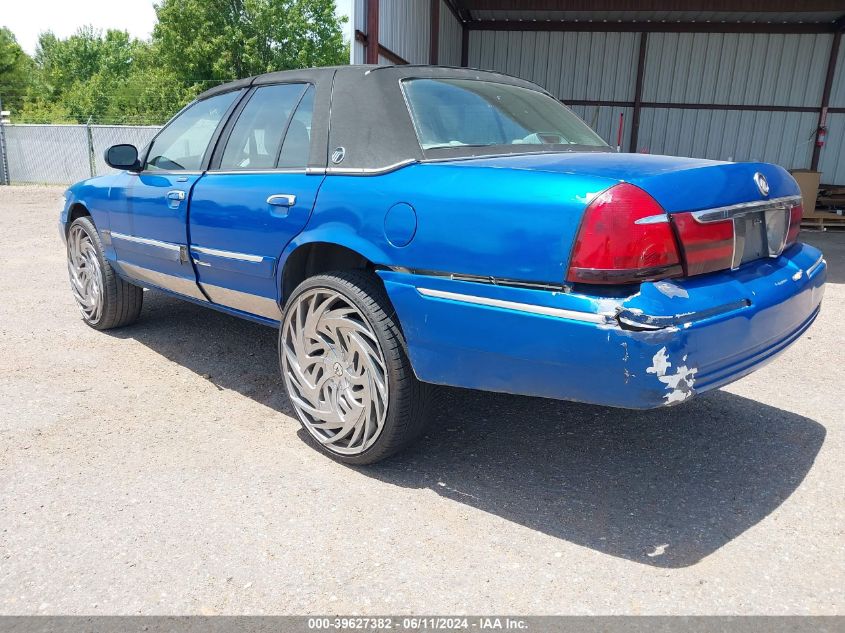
<point x="256" y="197"/>
<point x="150" y="239"/>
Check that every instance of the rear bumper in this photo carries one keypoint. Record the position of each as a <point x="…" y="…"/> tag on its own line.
<point x="655" y="348"/>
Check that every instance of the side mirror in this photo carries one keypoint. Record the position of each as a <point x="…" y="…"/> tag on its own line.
<point x="123" y="156"/>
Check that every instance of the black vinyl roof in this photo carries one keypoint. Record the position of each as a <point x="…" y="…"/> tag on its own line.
<point x="368" y="115"/>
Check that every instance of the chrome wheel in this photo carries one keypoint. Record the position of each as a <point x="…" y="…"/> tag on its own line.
<point x="86" y="278"/>
<point x="334" y="370"/>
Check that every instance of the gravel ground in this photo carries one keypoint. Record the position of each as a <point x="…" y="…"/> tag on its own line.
<point x="158" y="469"/>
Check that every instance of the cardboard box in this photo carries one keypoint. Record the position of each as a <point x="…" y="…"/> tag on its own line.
<point x="808" y="180"/>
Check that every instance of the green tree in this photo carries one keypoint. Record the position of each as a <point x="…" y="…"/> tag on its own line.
<point x="112" y="78"/>
<point x="108" y="78"/>
<point x="209" y="41"/>
<point x="15" y="71"/>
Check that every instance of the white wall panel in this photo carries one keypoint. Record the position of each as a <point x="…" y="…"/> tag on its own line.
<point x="774" y="137"/>
<point x="837" y="94"/>
<point x="729" y="68"/>
<point x="449" y="38"/>
<point x="405" y="28"/>
<point x="599" y="66"/>
<point x="689" y="68"/>
<point x="359" y="23"/>
<point x="832" y="158"/>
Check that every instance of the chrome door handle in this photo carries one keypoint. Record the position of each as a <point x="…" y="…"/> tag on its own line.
<point x="282" y="200"/>
<point x="176" y="195"/>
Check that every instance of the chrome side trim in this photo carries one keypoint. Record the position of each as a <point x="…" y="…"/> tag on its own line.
<point x="480" y="279"/>
<point x="245" y="302"/>
<point x="164" y="172"/>
<point x="819" y="263"/>
<point x="369" y="171"/>
<point x="634" y="320"/>
<point x="245" y="257"/>
<point x="145" y="241"/>
<point x="733" y="210"/>
<point x="272" y="170"/>
<point x="166" y="250"/>
<point x="180" y="285"/>
<point x="587" y="317"/>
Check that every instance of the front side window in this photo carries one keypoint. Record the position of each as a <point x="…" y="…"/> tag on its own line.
<point x="454" y="113"/>
<point x="183" y="143"/>
<point x="255" y="141"/>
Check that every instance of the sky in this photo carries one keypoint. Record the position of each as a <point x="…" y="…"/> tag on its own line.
<point x="28" y="18"/>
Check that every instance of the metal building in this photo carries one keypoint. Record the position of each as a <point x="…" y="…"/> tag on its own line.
<point x="724" y="79"/>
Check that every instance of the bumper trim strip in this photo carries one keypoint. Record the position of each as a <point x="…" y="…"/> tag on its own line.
<point x="812" y="269"/>
<point x="561" y="313"/>
<point x="718" y="214"/>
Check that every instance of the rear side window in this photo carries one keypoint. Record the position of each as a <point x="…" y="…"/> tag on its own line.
<point x="256" y="138"/>
<point x="453" y="113"/>
<point x="182" y="144"/>
<point x="297" y="146"/>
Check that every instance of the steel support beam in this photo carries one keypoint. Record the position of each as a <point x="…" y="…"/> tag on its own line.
<point x="668" y="105"/>
<point x="372" y="32"/>
<point x="638" y="94"/>
<point x="434" y="38"/>
<point x="828" y="85"/>
<point x="652" y="27"/>
<point x="383" y="50"/>
<point x="742" y="6"/>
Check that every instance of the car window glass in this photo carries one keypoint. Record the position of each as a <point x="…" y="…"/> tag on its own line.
<point x="254" y="141"/>
<point x="297" y="145"/>
<point x="182" y="144"/>
<point x="450" y="113"/>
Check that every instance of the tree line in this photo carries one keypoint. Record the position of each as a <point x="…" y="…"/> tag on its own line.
<point x="196" y="44"/>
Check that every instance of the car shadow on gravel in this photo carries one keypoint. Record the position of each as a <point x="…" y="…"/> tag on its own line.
<point x="664" y="488"/>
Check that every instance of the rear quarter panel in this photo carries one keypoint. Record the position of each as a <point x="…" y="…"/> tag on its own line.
<point x="507" y="223"/>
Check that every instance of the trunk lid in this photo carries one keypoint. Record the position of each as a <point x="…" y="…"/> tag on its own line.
<point x="678" y="184"/>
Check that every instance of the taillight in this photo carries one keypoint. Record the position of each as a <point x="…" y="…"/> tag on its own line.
<point x="625" y="237"/>
<point x="796" y="214"/>
<point x="707" y="246"/>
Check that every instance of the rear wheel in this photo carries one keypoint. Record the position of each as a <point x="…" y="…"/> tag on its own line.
<point x="104" y="299"/>
<point x="346" y="371"/>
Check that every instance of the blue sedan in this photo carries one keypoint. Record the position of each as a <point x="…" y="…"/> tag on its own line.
<point x="416" y="225"/>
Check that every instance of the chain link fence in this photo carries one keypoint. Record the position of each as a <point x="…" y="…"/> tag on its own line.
<point x="62" y="154"/>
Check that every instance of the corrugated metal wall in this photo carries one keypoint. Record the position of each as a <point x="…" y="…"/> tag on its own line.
<point x="451" y="34"/>
<point x="832" y="163"/>
<point x="600" y="66"/>
<point x="681" y="68"/>
<point x="359" y="23"/>
<point x="405" y="28"/>
<point x="572" y="66"/>
<point x="736" y="69"/>
<point x="693" y="68"/>
<point x="744" y="69"/>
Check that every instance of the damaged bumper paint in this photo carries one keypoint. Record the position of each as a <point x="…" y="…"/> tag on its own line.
<point x="653" y="348"/>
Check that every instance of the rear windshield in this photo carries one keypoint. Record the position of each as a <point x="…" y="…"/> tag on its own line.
<point x="464" y="113"/>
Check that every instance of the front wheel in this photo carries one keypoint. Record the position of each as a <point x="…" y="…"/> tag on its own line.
<point x="344" y="364"/>
<point x="104" y="299"/>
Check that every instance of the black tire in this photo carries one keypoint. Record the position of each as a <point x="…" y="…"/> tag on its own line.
<point x="121" y="300"/>
<point x="408" y="399"/>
